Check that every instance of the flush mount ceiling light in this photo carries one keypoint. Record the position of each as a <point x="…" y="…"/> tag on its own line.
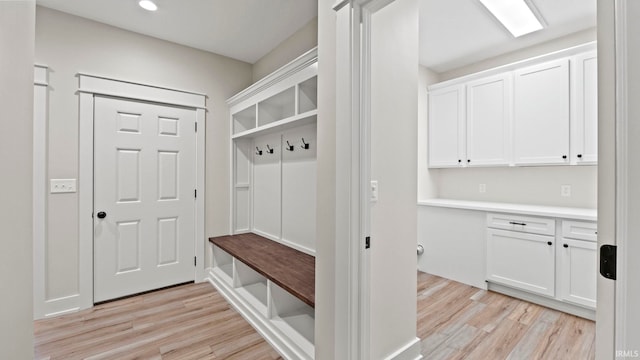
<point x="148" y="5"/>
<point x="515" y="15"/>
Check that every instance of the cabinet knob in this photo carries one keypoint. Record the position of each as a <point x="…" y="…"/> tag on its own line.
<point x="564" y="156"/>
<point x="549" y="243"/>
<point x="565" y="246"/>
<point x="579" y="156"/>
<point x="459" y="160"/>
<point x="468" y="160"/>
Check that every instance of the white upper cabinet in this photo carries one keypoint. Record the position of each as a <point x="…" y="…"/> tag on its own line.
<point x="539" y="111"/>
<point x="446" y="126"/>
<point x="541" y="114"/>
<point x="585" y="119"/>
<point x="489" y="120"/>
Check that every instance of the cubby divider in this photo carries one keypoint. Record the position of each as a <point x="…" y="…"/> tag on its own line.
<point x="308" y="95"/>
<point x="223" y="264"/>
<point x="293" y="317"/>
<point x="251" y="286"/>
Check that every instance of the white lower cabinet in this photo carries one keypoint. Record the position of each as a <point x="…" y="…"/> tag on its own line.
<point x="579" y="272"/>
<point x="521" y="260"/>
<point x="578" y="263"/>
<point x="557" y="261"/>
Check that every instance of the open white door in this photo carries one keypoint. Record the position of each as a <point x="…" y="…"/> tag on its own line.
<point x="627" y="51"/>
<point x="144" y="201"/>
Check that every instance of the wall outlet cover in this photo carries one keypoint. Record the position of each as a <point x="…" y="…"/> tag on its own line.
<point x="565" y="190"/>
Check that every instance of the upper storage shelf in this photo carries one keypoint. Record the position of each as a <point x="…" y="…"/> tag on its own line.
<point x="287" y="97"/>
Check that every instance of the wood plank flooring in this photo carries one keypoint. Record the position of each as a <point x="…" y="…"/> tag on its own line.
<point x="185" y="322"/>
<point x="457" y="321"/>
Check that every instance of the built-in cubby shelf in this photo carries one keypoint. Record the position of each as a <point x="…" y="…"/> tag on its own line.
<point x="271" y="284"/>
<point x="266" y="267"/>
<point x="308" y="117"/>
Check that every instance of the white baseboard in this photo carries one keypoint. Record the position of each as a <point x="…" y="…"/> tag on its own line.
<point x="410" y="351"/>
<point x="283" y="345"/>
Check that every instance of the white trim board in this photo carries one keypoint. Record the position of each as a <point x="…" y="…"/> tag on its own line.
<point x="99" y="85"/>
<point x="89" y="87"/>
<point x="41" y="307"/>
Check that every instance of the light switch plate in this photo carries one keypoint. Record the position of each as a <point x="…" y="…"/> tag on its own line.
<point x="374" y="190"/>
<point x="63" y="186"/>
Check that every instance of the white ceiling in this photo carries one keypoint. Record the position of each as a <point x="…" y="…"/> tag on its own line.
<point x="241" y="29"/>
<point x="455" y="33"/>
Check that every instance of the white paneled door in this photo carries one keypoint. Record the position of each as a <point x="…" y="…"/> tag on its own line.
<point x="144" y="206"/>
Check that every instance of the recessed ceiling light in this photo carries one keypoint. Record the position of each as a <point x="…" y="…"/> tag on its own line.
<point x="515" y="15"/>
<point x="148" y="5"/>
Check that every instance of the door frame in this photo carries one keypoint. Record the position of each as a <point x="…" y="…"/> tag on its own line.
<point x="89" y="87"/>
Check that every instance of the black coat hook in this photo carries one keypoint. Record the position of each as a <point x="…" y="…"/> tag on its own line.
<point x="289" y="146"/>
<point x="269" y="150"/>
<point x="304" y="145"/>
<point x="258" y="151"/>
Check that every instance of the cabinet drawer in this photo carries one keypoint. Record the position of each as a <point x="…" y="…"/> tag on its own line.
<point x="527" y="224"/>
<point x="582" y="230"/>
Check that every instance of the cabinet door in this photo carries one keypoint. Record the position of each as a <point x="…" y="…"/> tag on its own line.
<point x="446" y="127"/>
<point x="523" y="261"/>
<point x="541" y="114"/>
<point x="489" y="120"/>
<point x="578" y="271"/>
<point x="585" y="129"/>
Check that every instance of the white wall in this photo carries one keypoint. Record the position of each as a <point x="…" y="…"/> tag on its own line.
<point x="17" y="24"/>
<point x="427" y="178"/>
<point x="68" y="45"/>
<point x="561" y="43"/>
<point x="530" y="185"/>
<point x="327" y="329"/>
<point x="527" y="185"/>
<point x="306" y="38"/>
<point x="394" y="112"/>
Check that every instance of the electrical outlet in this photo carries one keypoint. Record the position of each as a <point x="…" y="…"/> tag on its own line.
<point x="482" y="188"/>
<point x="63" y="185"/>
<point x="374" y="190"/>
<point x="565" y="190"/>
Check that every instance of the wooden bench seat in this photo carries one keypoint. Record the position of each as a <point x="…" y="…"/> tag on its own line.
<point x="289" y="268"/>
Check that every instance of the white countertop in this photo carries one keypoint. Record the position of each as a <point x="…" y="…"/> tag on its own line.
<point x="523" y="209"/>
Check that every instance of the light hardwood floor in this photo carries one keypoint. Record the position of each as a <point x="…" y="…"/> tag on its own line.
<point x="455" y="321"/>
<point x="185" y="322"/>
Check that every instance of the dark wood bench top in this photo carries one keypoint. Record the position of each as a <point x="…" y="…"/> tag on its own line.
<point x="289" y="268"/>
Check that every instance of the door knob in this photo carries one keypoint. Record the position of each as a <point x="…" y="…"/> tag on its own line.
<point x="102" y="215"/>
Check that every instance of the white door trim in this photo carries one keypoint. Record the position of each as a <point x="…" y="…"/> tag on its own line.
<point x="353" y="137"/>
<point x="96" y="85"/>
<point x="622" y="166"/>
